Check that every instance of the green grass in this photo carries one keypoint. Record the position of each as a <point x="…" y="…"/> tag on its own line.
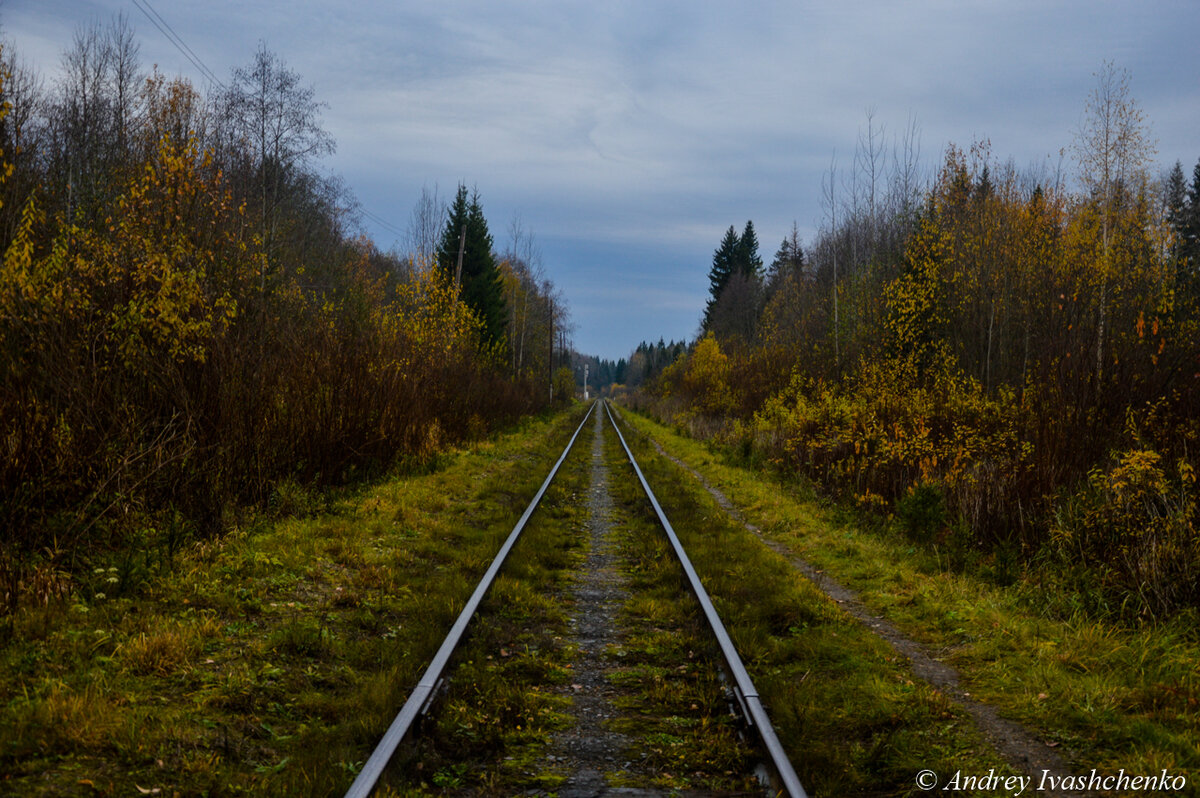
<point x="488" y="734"/>
<point x="270" y="661"/>
<point x="674" y="703"/>
<point x="851" y="718"/>
<point x="1110" y="697"/>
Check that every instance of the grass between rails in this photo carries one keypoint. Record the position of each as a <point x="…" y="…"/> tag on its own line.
<point x="1113" y="697"/>
<point x="488" y="735"/>
<point x="271" y="660"/>
<point x="850" y="716"/>
<point x="673" y="703"/>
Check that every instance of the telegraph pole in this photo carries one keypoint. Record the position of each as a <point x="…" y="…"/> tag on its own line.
<point x="462" y="245"/>
<point x="550" y="359"/>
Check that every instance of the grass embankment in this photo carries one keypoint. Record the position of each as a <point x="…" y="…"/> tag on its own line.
<point x="1110" y="697"/>
<point x="850" y="716"/>
<point x="271" y="660"/>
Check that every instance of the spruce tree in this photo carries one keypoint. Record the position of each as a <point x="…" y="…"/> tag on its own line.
<point x="1186" y="221"/>
<point x="480" y="280"/>
<point x="748" y="261"/>
<point x="724" y="264"/>
<point x="1175" y="198"/>
<point x="789" y="260"/>
<point x="1191" y="225"/>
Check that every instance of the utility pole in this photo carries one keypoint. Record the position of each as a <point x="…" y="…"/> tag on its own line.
<point x="550" y="359"/>
<point x="462" y="244"/>
<point x="585" y="372"/>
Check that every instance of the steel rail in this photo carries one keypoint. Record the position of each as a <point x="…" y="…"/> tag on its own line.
<point x="746" y="693"/>
<point x="423" y="694"/>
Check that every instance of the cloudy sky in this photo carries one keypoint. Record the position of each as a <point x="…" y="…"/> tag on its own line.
<point x="629" y="135"/>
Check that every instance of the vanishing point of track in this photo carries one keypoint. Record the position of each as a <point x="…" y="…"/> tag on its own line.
<point x="753" y="714"/>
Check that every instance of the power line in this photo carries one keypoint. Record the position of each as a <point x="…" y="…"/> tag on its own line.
<point x="176" y="39"/>
<point x="166" y="30"/>
<point x="381" y="222"/>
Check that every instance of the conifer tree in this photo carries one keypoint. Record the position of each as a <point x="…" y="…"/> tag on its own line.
<point x="747" y="260"/>
<point x="1175" y="199"/>
<point x="735" y="285"/>
<point x="1191" y="223"/>
<point x="467" y="231"/>
<point x="789" y="259"/>
<point x="724" y="263"/>
<point x="1185" y="219"/>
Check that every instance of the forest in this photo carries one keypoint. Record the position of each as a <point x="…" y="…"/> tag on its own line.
<point x="1005" y="363"/>
<point x="192" y="323"/>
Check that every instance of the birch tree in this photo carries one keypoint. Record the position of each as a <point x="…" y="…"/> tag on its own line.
<point x="278" y="121"/>
<point x="425" y="228"/>
<point x="1112" y="148"/>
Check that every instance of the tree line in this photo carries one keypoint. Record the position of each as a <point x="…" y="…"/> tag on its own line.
<point x="644" y="364"/>
<point x="1005" y="361"/>
<point x="191" y="321"/>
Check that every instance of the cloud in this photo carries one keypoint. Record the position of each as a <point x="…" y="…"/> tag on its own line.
<point x="629" y="135"/>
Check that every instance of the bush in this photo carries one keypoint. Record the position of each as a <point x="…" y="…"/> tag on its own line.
<point x="922" y="513"/>
<point x="158" y="359"/>
<point x="564" y="385"/>
<point x="1136" y="523"/>
<point x="887" y="437"/>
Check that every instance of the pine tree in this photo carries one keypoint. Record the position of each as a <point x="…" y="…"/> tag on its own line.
<point x="467" y="228"/>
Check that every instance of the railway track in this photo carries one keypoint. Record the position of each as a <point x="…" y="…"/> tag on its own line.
<point x="744" y="697"/>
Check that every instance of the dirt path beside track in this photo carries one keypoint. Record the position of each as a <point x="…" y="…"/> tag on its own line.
<point x="1020" y="747"/>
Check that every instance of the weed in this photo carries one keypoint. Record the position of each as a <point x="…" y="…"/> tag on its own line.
<point x="1014" y="634"/>
<point x="290" y="499"/>
<point x="159" y="652"/>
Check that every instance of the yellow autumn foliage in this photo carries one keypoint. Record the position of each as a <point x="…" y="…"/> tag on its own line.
<point x="155" y="365"/>
<point x="1138" y="516"/>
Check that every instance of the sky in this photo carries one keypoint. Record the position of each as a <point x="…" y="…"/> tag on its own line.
<point x="628" y="135"/>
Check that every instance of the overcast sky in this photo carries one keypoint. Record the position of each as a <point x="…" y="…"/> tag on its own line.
<point x="629" y="135"/>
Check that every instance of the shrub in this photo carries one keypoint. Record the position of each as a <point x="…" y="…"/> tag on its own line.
<point x="564" y="385"/>
<point x="922" y="512"/>
<point x="1136" y="522"/>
